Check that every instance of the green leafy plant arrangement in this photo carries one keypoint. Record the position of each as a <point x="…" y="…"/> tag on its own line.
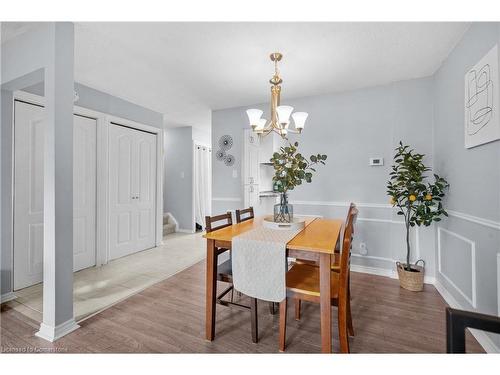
<point x="291" y="168"/>
<point x="419" y="201"/>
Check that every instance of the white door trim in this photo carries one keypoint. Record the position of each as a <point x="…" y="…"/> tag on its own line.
<point x="102" y="211"/>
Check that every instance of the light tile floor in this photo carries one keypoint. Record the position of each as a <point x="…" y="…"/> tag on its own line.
<point x="97" y="288"/>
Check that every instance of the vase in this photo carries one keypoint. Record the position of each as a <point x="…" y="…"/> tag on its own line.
<point x="283" y="212"/>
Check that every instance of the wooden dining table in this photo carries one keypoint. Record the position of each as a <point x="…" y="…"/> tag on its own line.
<point x="315" y="242"/>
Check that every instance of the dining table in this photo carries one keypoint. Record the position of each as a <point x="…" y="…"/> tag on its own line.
<point x="316" y="242"/>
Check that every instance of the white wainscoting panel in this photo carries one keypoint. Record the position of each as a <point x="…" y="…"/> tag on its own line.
<point x="498" y="283"/>
<point x="470" y="299"/>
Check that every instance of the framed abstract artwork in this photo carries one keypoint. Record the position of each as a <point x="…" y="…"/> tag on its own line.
<point x="482" y="101"/>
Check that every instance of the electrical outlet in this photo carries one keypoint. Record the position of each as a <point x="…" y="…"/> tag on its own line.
<point x="362" y="248"/>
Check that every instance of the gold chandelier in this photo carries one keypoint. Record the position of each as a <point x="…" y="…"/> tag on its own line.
<point x="280" y="114"/>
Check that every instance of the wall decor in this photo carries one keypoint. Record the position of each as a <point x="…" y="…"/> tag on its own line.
<point x="220" y="155"/>
<point x="229" y="160"/>
<point x="481" y="104"/>
<point x="226" y="142"/>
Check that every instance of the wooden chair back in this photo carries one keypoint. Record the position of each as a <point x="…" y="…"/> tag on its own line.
<point x="241" y="213"/>
<point x="345" y="256"/>
<point x="226" y="220"/>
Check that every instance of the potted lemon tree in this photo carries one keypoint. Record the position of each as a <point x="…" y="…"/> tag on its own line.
<point x="418" y="201"/>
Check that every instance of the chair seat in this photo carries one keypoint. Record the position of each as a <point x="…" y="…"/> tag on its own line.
<point x="225" y="271"/>
<point x="304" y="279"/>
<point x="335" y="264"/>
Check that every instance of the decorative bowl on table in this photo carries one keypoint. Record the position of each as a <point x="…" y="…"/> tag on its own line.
<point x="296" y="223"/>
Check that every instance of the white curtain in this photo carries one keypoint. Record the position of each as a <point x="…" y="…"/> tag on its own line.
<point x="202" y="183"/>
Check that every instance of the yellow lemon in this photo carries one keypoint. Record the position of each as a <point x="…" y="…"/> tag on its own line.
<point x="428" y="197"/>
<point x="393" y="201"/>
<point x="413" y="198"/>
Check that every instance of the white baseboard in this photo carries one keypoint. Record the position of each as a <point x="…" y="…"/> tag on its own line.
<point x="482" y="338"/>
<point x="185" y="230"/>
<point x="385" y="272"/>
<point x="52" y="334"/>
<point x="6" y="297"/>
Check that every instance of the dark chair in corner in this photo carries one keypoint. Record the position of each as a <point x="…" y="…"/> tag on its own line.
<point x="225" y="273"/>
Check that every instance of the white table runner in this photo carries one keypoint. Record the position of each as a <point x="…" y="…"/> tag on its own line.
<point x="259" y="263"/>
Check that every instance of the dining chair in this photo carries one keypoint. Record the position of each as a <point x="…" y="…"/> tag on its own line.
<point x="302" y="283"/>
<point x="225" y="272"/>
<point x="335" y="266"/>
<point x="244" y="215"/>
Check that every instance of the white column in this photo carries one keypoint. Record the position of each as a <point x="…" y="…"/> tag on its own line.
<point x="58" y="319"/>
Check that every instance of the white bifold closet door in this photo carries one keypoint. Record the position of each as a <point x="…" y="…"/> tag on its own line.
<point x="132" y="190"/>
<point x="28" y="193"/>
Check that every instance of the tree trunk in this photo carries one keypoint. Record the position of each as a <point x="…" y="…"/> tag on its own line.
<point x="408" y="268"/>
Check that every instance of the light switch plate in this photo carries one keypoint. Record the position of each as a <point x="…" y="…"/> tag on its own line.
<point x="235" y="173"/>
<point x="376" y="161"/>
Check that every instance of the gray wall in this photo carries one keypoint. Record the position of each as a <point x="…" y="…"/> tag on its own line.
<point x="474" y="176"/>
<point x="106" y="103"/>
<point x="350" y="128"/>
<point x="178" y="179"/>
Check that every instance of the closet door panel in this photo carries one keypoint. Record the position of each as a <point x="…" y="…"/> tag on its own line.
<point x="133" y="182"/>
<point x="29" y="139"/>
<point x="146" y="189"/>
<point x="28" y="197"/>
<point x="121" y="196"/>
<point x="84" y="192"/>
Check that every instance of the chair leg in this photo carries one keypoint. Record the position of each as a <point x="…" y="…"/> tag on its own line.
<point x="350" y="328"/>
<point x="254" y="325"/>
<point x="297" y="303"/>
<point x="343" y="337"/>
<point x="282" y="325"/>
<point x="272" y="310"/>
<point x="232" y="294"/>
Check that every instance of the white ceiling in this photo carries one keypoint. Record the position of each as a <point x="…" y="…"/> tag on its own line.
<point x="185" y="70"/>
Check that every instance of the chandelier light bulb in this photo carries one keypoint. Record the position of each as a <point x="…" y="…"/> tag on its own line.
<point x="284" y="112"/>
<point x="254" y="117"/>
<point x="299" y="118"/>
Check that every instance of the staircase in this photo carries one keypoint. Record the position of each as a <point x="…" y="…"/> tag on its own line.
<point x="169" y="224"/>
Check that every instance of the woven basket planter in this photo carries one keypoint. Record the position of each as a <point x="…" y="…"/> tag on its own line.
<point x="411" y="280"/>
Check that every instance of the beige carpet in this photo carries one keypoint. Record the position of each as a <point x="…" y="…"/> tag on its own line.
<point x="97" y="288"/>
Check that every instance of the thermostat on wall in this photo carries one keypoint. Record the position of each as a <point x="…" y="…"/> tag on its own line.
<point x="376" y="161"/>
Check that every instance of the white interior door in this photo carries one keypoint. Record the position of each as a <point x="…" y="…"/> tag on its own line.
<point x="84" y="192"/>
<point x="132" y="184"/>
<point x="28" y="194"/>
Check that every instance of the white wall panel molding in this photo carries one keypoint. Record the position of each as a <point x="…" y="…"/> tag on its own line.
<point x="222" y="199"/>
<point x="498" y="283"/>
<point x="470" y="299"/>
<point x="475" y="219"/>
<point x="340" y="204"/>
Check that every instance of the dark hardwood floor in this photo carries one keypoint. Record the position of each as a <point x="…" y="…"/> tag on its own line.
<point x="169" y="318"/>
